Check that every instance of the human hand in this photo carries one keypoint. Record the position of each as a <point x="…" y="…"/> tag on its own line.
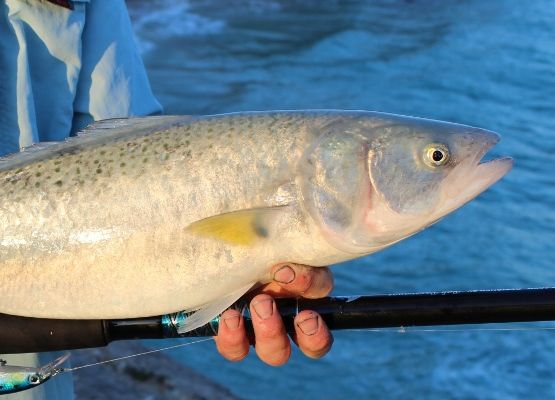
<point x="271" y="342"/>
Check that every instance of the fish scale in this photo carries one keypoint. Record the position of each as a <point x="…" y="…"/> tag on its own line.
<point x="70" y="210"/>
<point x="153" y="215"/>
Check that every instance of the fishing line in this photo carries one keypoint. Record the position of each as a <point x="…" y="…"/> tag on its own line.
<point x="134" y="355"/>
<point x="400" y="330"/>
<point x="403" y="330"/>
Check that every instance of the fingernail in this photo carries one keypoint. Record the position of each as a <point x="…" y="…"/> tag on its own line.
<point x="264" y="308"/>
<point x="285" y="274"/>
<point x="232" y="322"/>
<point x="309" y="326"/>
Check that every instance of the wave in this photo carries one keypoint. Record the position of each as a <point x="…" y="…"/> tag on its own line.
<point x="164" y="19"/>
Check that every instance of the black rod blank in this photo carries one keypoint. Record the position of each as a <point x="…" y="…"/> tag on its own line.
<point x="22" y="334"/>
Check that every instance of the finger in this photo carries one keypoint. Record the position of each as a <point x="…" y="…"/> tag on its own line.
<point x="312" y="335"/>
<point x="232" y="342"/>
<point x="271" y="341"/>
<point x="302" y="280"/>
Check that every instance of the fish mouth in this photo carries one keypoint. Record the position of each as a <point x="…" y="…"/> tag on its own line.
<point x="487" y="172"/>
<point x="476" y="175"/>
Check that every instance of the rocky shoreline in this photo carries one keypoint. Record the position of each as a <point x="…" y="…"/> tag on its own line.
<point x="155" y="376"/>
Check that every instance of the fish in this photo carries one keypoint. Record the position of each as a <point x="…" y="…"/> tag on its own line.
<point x="16" y="379"/>
<point x="153" y="215"/>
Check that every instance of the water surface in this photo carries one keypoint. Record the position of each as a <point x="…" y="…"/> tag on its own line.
<point x="489" y="64"/>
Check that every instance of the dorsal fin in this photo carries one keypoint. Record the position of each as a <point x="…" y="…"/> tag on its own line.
<point x="94" y="135"/>
<point x="126" y="126"/>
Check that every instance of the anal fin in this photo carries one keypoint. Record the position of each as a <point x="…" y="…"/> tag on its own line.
<point x="208" y="312"/>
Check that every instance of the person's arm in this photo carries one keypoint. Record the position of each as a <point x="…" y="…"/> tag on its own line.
<point x="271" y="342"/>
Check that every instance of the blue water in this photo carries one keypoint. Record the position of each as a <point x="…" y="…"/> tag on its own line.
<point x="484" y="63"/>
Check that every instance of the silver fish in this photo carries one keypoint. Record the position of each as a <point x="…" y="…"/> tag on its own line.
<point x="148" y="216"/>
<point x="16" y="379"/>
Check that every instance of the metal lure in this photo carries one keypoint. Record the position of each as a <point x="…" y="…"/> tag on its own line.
<point x="14" y="378"/>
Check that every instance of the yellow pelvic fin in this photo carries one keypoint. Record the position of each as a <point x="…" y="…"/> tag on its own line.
<point x="244" y="227"/>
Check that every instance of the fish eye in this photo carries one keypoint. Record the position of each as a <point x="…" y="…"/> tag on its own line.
<point x="436" y="154"/>
<point x="34" y="379"/>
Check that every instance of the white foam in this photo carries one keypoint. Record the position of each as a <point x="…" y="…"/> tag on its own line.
<point x="165" y="19"/>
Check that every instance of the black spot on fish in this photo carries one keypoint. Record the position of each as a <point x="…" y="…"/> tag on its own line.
<point x="57" y="162"/>
<point x="58" y="183"/>
<point x="96" y="161"/>
<point x="57" y="169"/>
<point x="37" y="184"/>
<point x="99" y="171"/>
<point x="122" y="164"/>
<point x="260" y="230"/>
<point x="78" y="170"/>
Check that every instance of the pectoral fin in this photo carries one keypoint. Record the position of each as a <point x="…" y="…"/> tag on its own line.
<point x="209" y="311"/>
<point x="244" y="227"/>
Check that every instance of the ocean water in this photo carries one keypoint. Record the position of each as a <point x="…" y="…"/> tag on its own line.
<point x="484" y="63"/>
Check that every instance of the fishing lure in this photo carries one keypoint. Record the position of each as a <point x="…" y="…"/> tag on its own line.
<point x="14" y="378"/>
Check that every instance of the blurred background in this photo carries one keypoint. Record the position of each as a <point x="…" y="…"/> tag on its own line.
<point x="485" y="63"/>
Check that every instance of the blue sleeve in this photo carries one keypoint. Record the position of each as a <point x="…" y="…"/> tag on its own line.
<point x="61" y="69"/>
<point x="67" y="68"/>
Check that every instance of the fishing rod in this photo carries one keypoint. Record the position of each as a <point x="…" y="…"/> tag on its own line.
<point x="23" y="335"/>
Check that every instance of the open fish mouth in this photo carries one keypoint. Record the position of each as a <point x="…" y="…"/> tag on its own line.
<point x="476" y="175"/>
<point x="487" y="172"/>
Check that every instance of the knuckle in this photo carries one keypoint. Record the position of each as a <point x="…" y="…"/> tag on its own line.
<point x="276" y="358"/>
<point x="305" y="280"/>
<point x="233" y="340"/>
<point x="322" y="283"/>
<point x="319" y="348"/>
<point x="267" y="331"/>
<point x="227" y="339"/>
<point x="327" y="286"/>
<point x="236" y="355"/>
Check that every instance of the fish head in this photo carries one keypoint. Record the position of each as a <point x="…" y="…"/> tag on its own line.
<point x="373" y="180"/>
